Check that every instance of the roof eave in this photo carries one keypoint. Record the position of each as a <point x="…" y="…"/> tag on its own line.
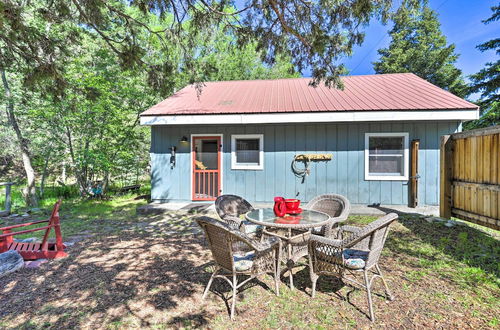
<point x="310" y="117"/>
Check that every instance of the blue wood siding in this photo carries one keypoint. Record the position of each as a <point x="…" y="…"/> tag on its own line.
<point x="344" y="174"/>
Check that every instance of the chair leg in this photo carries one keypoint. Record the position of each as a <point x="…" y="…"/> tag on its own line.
<point x="277" y="270"/>
<point x="233" y="303"/>
<point x="387" y="291"/>
<point x="313" y="276"/>
<point x="290" y="265"/>
<point x="314" y="279"/>
<point x="209" y="283"/>
<point x="368" y="294"/>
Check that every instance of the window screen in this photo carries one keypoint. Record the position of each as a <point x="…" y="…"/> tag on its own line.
<point x="386" y="155"/>
<point x="247" y="151"/>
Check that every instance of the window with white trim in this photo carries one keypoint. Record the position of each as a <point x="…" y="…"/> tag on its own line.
<point x="247" y="152"/>
<point x="386" y="156"/>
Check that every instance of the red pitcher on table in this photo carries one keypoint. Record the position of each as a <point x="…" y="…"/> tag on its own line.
<point x="283" y="206"/>
<point x="279" y="206"/>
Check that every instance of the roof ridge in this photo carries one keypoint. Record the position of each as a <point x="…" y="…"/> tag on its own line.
<point x="304" y="78"/>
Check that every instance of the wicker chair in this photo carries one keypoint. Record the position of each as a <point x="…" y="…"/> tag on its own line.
<point x="357" y="250"/>
<point x="336" y="206"/>
<point x="230" y="208"/>
<point x="263" y="257"/>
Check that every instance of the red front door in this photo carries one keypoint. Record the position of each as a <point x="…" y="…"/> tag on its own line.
<point x="206" y="157"/>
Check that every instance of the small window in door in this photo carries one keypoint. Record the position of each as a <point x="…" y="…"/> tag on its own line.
<point x="386" y="156"/>
<point x="247" y="152"/>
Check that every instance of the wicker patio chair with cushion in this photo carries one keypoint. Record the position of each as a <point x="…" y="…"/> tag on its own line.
<point x="336" y="206"/>
<point x="263" y="256"/>
<point x="230" y="208"/>
<point x="357" y="250"/>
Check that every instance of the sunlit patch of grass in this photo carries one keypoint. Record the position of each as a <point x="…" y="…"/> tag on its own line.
<point x="360" y="219"/>
<point x="416" y="275"/>
<point x="84" y="216"/>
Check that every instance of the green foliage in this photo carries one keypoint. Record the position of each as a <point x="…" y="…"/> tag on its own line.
<point x="85" y="123"/>
<point x="314" y="34"/>
<point x="418" y="46"/>
<point x="487" y="82"/>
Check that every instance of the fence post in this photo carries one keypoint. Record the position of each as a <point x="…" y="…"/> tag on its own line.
<point x="445" y="176"/>
<point x="7" y="198"/>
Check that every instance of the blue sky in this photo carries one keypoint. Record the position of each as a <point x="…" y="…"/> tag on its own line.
<point x="460" y="23"/>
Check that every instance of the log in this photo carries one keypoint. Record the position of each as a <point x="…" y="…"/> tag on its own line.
<point x="10" y="261"/>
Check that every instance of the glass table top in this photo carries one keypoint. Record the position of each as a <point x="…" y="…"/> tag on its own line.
<point x="306" y="218"/>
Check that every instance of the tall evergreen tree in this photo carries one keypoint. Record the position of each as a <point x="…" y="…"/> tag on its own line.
<point x="487" y="81"/>
<point x="419" y="46"/>
<point x="314" y="34"/>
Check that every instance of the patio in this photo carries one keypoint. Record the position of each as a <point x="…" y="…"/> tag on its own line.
<point x="150" y="270"/>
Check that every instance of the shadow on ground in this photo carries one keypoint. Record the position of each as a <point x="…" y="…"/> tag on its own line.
<point x="465" y="244"/>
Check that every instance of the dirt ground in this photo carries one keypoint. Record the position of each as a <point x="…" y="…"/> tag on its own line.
<point x="151" y="273"/>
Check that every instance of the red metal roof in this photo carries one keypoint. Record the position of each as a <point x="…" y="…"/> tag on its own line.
<point x="383" y="92"/>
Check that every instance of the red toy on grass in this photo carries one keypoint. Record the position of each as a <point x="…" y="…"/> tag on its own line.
<point x="33" y="251"/>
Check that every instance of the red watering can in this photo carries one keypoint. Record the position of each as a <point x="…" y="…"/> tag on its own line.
<point x="279" y="206"/>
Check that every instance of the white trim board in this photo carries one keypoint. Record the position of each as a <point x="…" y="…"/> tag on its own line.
<point x="310" y="117"/>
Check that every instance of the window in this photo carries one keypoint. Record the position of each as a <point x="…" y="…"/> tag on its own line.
<point x="247" y="152"/>
<point x="386" y="156"/>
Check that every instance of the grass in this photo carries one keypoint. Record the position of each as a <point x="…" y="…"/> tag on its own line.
<point x="150" y="271"/>
<point x="83" y="216"/>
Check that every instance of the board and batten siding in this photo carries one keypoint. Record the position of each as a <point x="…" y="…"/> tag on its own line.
<point x="344" y="174"/>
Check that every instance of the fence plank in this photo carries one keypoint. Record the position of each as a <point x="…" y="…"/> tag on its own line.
<point x="470" y="176"/>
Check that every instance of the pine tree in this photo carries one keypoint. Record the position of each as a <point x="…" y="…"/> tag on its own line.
<point x="487" y="81"/>
<point x="419" y="46"/>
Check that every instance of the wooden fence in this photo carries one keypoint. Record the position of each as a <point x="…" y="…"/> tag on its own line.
<point x="470" y="176"/>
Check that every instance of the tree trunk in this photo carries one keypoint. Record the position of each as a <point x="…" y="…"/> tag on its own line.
<point x="30" y="190"/>
<point x="63" y="173"/>
<point x="81" y="179"/>
<point x="44" y="173"/>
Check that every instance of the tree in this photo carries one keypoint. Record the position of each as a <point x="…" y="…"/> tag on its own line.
<point x="418" y="46"/>
<point x="30" y="191"/>
<point x="314" y="34"/>
<point x="92" y="125"/>
<point x="34" y="34"/>
<point x="487" y="81"/>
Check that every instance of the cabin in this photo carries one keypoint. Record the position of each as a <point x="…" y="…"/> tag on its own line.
<point x="375" y="141"/>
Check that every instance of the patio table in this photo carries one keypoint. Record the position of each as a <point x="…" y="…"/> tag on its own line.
<point x="290" y="225"/>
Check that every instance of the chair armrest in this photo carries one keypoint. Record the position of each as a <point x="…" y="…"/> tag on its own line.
<point x="350" y="229"/>
<point x="233" y="221"/>
<point x="325" y="240"/>
<point x="268" y="244"/>
<point x="24" y="232"/>
<point x="22" y="225"/>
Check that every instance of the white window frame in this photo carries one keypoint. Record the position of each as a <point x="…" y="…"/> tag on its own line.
<point x="247" y="166"/>
<point x="406" y="160"/>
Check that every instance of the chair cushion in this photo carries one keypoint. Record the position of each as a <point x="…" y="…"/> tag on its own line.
<point x="243" y="262"/>
<point x="353" y="259"/>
